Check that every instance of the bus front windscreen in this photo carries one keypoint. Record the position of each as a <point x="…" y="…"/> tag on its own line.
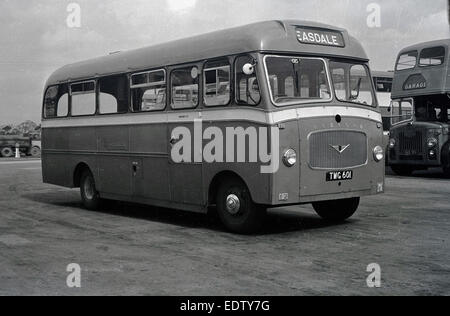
<point x="297" y="80"/>
<point x="352" y="83"/>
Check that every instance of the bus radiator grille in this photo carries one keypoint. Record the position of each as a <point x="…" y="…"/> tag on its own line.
<point x="338" y="149"/>
<point x="411" y="144"/>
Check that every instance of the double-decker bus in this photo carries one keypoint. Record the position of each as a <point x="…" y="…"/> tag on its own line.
<point x="271" y="114"/>
<point x="421" y="109"/>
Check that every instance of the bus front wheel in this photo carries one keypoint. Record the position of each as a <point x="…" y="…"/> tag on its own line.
<point x="236" y="209"/>
<point x="89" y="194"/>
<point x="337" y="211"/>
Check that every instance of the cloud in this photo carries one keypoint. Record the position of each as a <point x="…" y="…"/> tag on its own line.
<point x="35" y="39"/>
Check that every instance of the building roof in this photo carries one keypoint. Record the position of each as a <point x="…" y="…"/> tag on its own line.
<point x="269" y="36"/>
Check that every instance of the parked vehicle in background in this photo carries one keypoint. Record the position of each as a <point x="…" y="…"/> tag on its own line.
<point x="8" y="145"/>
<point x="420" y="136"/>
<point x="35" y="150"/>
<point x="383" y="87"/>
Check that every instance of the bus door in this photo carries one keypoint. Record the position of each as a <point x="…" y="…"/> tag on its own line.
<point x="185" y="171"/>
<point x="113" y="160"/>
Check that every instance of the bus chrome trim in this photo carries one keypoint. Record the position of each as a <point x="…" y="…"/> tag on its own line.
<point x="216" y="115"/>
<point x="366" y="162"/>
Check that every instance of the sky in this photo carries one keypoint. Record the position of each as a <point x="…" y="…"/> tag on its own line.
<point x="35" y="38"/>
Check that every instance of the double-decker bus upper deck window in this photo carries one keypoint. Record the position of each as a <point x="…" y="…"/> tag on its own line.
<point x="56" y="103"/>
<point x="433" y="56"/>
<point x="185" y="86"/>
<point x="148" y="91"/>
<point x="352" y="83"/>
<point x="294" y="80"/>
<point x="113" y="96"/>
<point x="83" y="98"/>
<point x="407" y="61"/>
<point x="216" y="77"/>
<point x="247" y="86"/>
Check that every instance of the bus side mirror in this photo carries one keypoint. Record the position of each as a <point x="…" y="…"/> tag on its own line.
<point x="248" y="69"/>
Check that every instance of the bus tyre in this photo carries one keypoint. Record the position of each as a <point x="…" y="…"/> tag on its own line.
<point x="89" y="194"/>
<point x="7" y="152"/>
<point x="447" y="171"/>
<point x="236" y="209"/>
<point x="404" y="171"/>
<point x="35" y="152"/>
<point x="338" y="210"/>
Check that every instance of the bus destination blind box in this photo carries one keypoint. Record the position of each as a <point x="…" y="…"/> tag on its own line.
<point x="320" y="37"/>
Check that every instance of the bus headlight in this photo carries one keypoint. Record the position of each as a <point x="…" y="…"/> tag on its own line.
<point x="378" y="153"/>
<point x="392" y="143"/>
<point x="290" y="158"/>
<point x="432" y="142"/>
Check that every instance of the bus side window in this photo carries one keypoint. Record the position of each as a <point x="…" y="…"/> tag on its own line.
<point x="83" y="98"/>
<point x="56" y="102"/>
<point x="216" y="78"/>
<point x="113" y="95"/>
<point x="247" y="87"/>
<point x="184" y="88"/>
<point x="148" y="91"/>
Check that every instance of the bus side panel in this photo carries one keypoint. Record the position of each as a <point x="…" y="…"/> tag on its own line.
<point x="114" y="162"/>
<point x="250" y="172"/>
<point x="63" y="150"/>
<point x="150" y="143"/>
<point x="286" y="180"/>
<point x="185" y="178"/>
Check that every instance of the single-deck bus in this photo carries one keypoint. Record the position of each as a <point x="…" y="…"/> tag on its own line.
<point x="266" y="115"/>
<point x="421" y="109"/>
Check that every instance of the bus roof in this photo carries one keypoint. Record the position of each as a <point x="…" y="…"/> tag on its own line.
<point x="269" y="36"/>
<point x="423" y="80"/>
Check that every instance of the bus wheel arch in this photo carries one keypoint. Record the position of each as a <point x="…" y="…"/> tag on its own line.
<point x="235" y="206"/>
<point x="79" y="169"/>
<point x="85" y="180"/>
<point x="217" y="181"/>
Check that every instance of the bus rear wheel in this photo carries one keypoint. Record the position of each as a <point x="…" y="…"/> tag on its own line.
<point x="7" y="152"/>
<point x="236" y="209"/>
<point x="338" y="210"/>
<point x="401" y="170"/>
<point x="89" y="194"/>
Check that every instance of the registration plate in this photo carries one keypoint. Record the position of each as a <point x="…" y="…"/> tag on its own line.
<point x="339" y="175"/>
